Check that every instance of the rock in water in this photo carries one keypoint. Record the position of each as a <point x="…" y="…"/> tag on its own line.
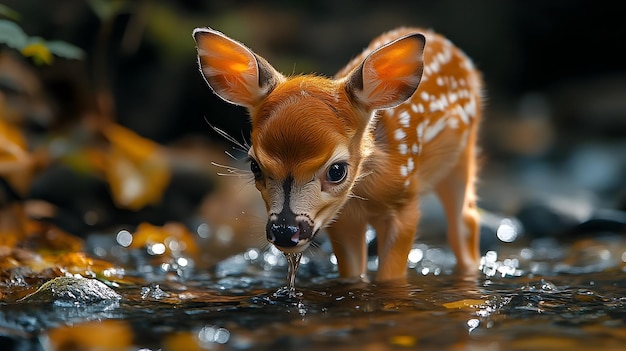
<point x="73" y="290"/>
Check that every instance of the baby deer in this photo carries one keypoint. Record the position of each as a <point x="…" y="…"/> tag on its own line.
<point x="360" y="148"/>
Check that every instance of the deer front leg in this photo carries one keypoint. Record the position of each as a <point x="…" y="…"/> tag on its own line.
<point x="347" y="237"/>
<point x="395" y="234"/>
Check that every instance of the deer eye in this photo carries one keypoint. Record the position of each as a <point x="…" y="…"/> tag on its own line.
<point x="255" y="169"/>
<point x="337" y="172"/>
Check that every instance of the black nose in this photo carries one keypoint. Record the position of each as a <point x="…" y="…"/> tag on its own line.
<point x="284" y="232"/>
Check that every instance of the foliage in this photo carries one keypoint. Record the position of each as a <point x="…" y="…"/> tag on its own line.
<point x="40" y="50"/>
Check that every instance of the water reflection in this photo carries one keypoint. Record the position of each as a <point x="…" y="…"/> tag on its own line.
<point x="543" y="290"/>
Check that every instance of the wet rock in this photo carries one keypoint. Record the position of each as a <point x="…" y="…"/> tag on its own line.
<point x="602" y="221"/>
<point x="72" y="290"/>
<point x="553" y="217"/>
<point x="567" y="219"/>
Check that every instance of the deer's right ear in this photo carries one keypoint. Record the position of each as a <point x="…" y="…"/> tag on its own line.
<point x="234" y="72"/>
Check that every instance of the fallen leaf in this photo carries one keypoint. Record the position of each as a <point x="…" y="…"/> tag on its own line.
<point x="107" y="335"/>
<point x="137" y="169"/>
<point x="465" y="303"/>
<point x="171" y="235"/>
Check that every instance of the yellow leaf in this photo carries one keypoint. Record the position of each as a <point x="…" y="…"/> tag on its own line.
<point x="148" y="234"/>
<point x="130" y="143"/>
<point x="137" y="169"/>
<point x="97" y="335"/>
<point x="403" y="340"/>
<point x="15" y="160"/>
<point x="11" y="134"/>
<point x="464" y="303"/>
<point x="39" y="52"/>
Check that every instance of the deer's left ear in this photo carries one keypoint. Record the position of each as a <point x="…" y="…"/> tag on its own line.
<point x="234" y="72"/>
<point x="389" y="75"/>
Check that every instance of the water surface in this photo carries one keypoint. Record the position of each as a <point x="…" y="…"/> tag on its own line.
<point x="540" y="295"/>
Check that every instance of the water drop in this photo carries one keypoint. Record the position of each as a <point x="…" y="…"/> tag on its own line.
<point x="203" y="231"/>
<point x="472" y="324"/>
<point x="507" y="230"/>
<point x="156" y="249"/>
<point x="124" y="238"/>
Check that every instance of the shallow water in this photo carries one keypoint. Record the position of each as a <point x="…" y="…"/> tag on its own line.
<point x="541" y="295"/>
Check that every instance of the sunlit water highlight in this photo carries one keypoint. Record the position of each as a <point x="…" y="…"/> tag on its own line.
<point x="540" y="295"/>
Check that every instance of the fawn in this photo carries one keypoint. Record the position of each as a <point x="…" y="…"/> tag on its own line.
<point x="360" y="148"/>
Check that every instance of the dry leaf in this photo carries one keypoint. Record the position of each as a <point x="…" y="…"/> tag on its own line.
<point x="174" y="236"/>
<point x="105" y="335"/>
<point x="15" y="161"/>
<point x="137" y="169"/>
<point x="466" y="303"/>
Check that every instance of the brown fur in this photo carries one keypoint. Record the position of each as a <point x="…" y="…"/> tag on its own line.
<point x="403" y="116"/>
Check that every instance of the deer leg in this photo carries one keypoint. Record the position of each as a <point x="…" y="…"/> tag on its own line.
<point x="395" y="234"/>
<point x="456" y="192"/>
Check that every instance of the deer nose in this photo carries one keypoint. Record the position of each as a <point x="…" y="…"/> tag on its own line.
<point x="283" y="232"/>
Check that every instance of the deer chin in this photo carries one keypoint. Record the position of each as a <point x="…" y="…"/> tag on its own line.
<point x="300" y="247"/>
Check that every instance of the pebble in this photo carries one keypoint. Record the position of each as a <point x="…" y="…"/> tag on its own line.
<point x="72" y="291"/>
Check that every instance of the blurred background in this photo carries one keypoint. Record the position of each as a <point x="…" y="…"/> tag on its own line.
<point x="122" y="136"/>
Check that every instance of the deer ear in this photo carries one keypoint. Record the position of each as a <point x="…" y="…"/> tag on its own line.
<point x="389" y="75"/>
<point x="234" y="72"/>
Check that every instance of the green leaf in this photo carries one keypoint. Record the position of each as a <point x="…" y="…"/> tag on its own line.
<point x="9" y="13"/>
<point x="107" y="9"/>
<point x="65" y="49"/>
<point x="12" y="35"/>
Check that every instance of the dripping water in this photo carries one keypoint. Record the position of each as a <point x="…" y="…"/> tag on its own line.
<point x="293" y="263"/>
<point x="293" y="260"/>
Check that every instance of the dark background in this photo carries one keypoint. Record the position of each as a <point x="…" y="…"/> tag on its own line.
<point x="554" y="71"/>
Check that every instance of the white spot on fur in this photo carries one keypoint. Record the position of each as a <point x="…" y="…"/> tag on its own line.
<point x="415" y="149"/>
<point x="427" y="72"/>
<point x="453" y="83"/>
<point x="435" y="129"/>
<point x="403" y="148"/>
<point x="444" y="101"/>
<point x="405" y="118"/>
<point x="435" y="106"/>
<point x="434" y="67"/>
<point x="452" y="96"/>
<point x="403" y="171"/>
<point x="453" y="123"/>
<point x="420" y="129"/>
<point x="399" y="134"/>
<point x="470" y="108"/>
<point x="462" y="114"/>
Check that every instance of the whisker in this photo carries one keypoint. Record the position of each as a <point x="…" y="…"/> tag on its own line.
<point x="240" y="146"/>
<point x="231" y="156"/>
<point x="363" y="175"/>
<point x="232" y="171"/>
<point x="245" y="142"/>
<point x="354" y="196"/>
